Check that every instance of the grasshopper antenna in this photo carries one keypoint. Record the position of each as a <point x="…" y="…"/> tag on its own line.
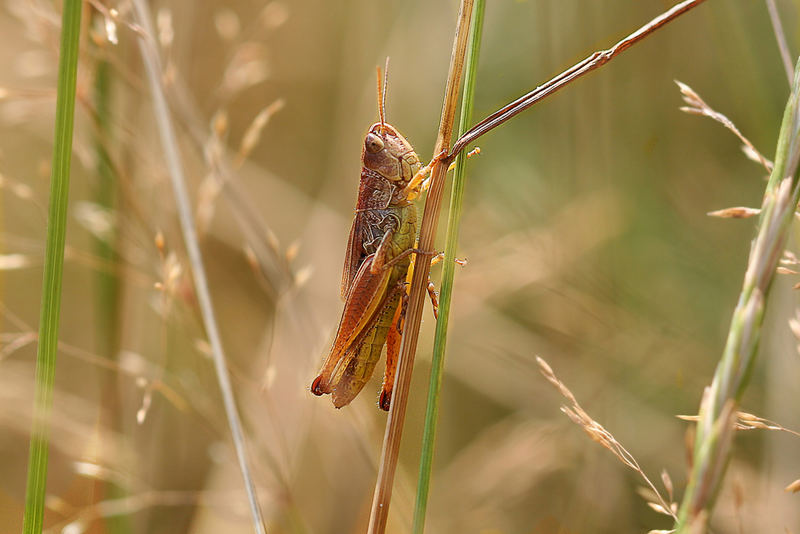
<point x="382" y="86"/>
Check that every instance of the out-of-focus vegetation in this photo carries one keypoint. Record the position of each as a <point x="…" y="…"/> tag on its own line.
<point x="585" y="229"/>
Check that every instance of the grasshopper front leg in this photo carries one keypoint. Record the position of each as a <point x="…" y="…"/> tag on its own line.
<point x="422" y="179"/>
<point x="413" y="188"/>
<point x="432" y="293"/>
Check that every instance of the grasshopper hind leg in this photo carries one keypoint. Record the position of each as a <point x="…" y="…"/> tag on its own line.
<point x="356" y="367"/>
<point x="362" y="310"/>
<point x="393" y="339"/>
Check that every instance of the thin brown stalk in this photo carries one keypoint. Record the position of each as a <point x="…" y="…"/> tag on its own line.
<point x="594" y="61"/>
<point x="430" y="219"/>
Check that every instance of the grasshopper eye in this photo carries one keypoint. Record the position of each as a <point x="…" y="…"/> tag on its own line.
<point x="373" y="143"/>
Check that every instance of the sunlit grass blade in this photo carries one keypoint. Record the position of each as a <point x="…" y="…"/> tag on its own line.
<point x="720" y="400"/>
<point x="53" y="267"/>
<point x="448" y="273"/>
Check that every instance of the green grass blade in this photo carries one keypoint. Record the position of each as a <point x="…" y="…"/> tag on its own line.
<point x="448" y="272"/>
<point x="106" y="284"/>
<point x="53" y="267"/>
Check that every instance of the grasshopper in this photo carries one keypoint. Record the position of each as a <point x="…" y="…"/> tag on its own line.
<point x="382" y="240"/>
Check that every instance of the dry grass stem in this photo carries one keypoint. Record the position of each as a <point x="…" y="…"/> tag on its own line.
<point x="599" y="434"/>
<point x="172" y="155"/>
<point x="697" y="106"/>
<point x="594" y="61"/>
<point x="780" y="37"/>
<point x="419" y="281"/>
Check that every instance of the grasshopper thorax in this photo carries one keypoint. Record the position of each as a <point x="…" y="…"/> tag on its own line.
<point x="387" y="153"/>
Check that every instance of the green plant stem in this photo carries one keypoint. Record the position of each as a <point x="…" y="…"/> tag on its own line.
<point x="105" y="194"/>
<point x="448" y="273"/>
<point x="106" y="283"/>
<point x="714" y="427"/>
<point x="53" y="267"/>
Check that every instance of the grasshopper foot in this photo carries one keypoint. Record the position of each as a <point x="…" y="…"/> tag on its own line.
<point x="385" y="400"/>
<point x="317" y="387"/>
<point x="434" y="296"/>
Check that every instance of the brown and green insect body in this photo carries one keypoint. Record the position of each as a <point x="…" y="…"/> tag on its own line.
<point x="378" y="257"/>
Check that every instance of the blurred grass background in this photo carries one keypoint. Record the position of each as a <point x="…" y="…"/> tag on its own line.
<point x="584" y="228"/>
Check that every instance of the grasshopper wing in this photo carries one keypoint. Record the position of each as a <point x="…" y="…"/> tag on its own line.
<point x="358" y="363"/>
<point x="354" y="255"/>
<point x="362" y="308"/>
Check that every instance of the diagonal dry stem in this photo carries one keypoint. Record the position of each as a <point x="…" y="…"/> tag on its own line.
<point x="780" y="37"/>
<point x="594" y="61"/>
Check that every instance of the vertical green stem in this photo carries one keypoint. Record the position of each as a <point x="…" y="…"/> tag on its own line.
<point x="106" y="283"/>
<point x="105" y="193"/>
<point x="448" y="273"/>
<point x="53" y="267"/>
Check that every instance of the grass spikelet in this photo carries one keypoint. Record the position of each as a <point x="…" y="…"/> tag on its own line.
<point x="697" y="106"/>
<point x="738" y="212"/>
<point x="599" y="434"/>
<point x="253" y="133"/>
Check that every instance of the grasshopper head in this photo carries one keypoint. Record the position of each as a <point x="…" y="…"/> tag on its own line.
<point x="387" y="153"/>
